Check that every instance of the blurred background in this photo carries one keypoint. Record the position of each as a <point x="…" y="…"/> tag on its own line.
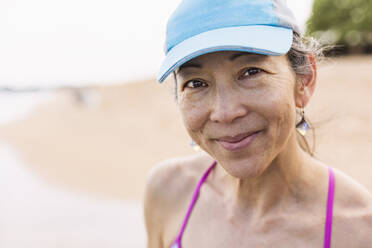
<point x="82" y="119"/>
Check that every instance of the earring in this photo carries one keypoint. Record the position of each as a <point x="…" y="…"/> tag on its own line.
<point x="303" y="127"/>
<point x="195" y="146"/>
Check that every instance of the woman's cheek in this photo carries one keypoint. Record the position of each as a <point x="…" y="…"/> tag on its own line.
<point x="194" y="115"/>
<point x="279" y="111"/>
<point x="284" y="123"/>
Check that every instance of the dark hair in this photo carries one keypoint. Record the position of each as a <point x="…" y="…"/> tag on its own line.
<point x="301" y="65"/>
<point x="298" y="54"/>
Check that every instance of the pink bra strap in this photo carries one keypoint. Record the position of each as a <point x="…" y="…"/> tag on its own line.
<point x="194" y="198"/>
<point x="328" y="225"/>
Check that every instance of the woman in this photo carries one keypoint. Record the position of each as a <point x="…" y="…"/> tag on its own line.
<point x="242" y="73"/>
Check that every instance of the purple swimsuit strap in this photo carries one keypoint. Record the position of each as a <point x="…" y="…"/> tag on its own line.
<point x="194" y="198"/>
<point x="329" y="216"/>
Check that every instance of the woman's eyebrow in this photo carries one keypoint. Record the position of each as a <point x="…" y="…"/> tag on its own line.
<point x="187" y="65"/>
<point x="252" y="57"/>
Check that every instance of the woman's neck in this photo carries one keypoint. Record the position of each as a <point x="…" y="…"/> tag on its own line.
<point x="292" y="177"/>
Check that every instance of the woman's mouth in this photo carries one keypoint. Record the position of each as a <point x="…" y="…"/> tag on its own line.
<point x="233" y="143"/>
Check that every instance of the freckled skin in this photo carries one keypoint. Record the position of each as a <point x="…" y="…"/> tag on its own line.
<point x="267" y="194"/>
<point x="230" y="105"/>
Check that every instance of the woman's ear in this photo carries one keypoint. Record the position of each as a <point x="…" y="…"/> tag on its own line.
<point x="306" y="84"/>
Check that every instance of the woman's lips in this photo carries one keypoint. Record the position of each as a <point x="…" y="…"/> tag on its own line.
<point x="237" y="142"/>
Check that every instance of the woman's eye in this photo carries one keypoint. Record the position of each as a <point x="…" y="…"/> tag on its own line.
<point x="251" y="71"/>
<point x="194" y="84"/>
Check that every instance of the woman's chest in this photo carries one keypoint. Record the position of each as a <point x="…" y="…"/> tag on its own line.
<point x="275" y="232"/>
<point x="211" y="224"/>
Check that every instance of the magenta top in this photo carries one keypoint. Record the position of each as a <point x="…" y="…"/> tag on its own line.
<point x="328" y="223"/>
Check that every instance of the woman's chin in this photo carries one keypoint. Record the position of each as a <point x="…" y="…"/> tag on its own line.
<point x="244" y="168"/>
<point x="247" y="162"/>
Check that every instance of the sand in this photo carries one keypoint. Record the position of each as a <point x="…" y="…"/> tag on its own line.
<point x="103" y="148"/>
<point x="35" y="215"/>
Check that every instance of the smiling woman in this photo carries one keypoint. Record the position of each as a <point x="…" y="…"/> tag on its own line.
<point x="242" y="74"/>
<point x="298" y="58"/>
<point x="239" y="108"/>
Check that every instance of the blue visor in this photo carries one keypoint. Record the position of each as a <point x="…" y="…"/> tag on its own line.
<point x="198" y="27"/>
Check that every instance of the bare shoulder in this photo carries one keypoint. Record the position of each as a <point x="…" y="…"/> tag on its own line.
<point x="350" y="194"/>
<point x="168" y="187"/>
<point x="352" y="212"/>
<point x="168" y="179"/>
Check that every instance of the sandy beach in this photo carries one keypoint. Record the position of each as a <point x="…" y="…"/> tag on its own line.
<point x="100" y="142"/>
<point x="34" y="214"/>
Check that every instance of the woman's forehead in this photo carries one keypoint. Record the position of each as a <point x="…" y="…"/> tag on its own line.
<point x="228" y="55"/>
<point x="232" y="56"/>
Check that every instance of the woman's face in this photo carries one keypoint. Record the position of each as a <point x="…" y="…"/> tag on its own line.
<point x="239" y="107"/>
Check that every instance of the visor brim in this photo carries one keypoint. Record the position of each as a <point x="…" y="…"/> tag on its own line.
<point x="260" y="39"/>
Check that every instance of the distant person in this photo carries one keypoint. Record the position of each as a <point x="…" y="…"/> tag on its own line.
<point x="243" y="75"/>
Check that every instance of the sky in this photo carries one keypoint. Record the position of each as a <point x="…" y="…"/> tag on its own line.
<point x="52" y="43"/>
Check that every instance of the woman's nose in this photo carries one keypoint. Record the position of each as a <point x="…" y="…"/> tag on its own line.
<point x="227" y="106"/>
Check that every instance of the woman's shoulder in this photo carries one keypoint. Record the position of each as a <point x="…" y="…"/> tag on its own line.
<point x="169" y="185"/>
<point x="175" y="175"/>
<point x="352" y="210"/>
<point x="350" y="194"/>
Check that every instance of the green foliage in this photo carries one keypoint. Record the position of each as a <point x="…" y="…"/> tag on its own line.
<point x="343" y="22"/>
